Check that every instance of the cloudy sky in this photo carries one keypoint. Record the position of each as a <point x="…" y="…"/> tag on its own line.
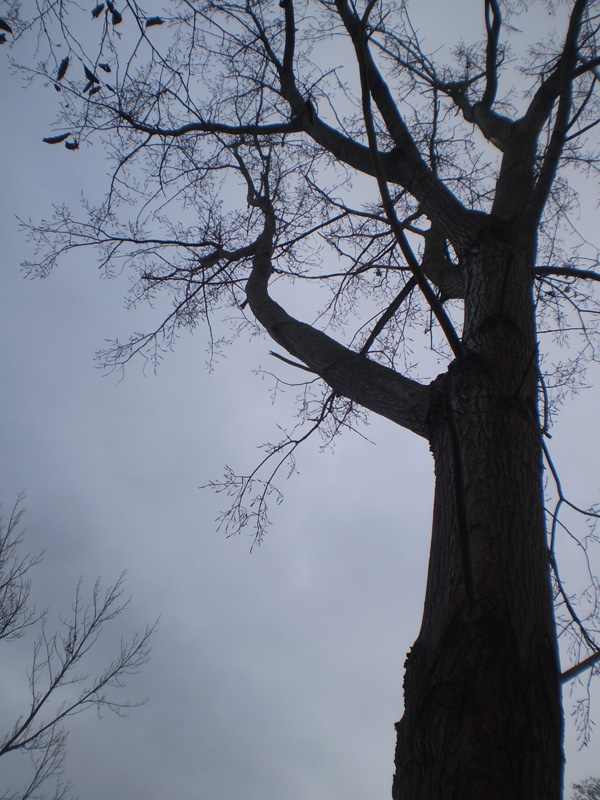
<point x="276" y="674"/>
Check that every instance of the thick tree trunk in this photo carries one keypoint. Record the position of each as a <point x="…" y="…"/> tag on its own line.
<point x="482" y="714"/>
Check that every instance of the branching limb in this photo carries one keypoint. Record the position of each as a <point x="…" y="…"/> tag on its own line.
<point x="567" y="272"/>
<point x="57" y="658"/>
<point x="349" y="374"/>
<point x="200" y="127"/>
<point x="584" y="633"/>
<point x="557" y="86"/>
<point x="395" y="225"/>
<point x="15" y="614"/>
<point x="493" y="21"/>
<point x="59" y="684"/>
<point x="413" y="173"/>
<point x="388" y="314"/>
<point x="252" y="493"/>
<point x="577" y="669"/>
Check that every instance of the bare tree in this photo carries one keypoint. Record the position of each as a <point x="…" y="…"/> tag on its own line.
<point x="59" y="684"/>
<point x="16" y="614"/>
<point x="259" y="147"/>
<point x="588" y="789"/>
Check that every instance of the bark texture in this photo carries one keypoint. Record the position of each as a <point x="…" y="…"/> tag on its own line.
<point x="482" y="712"/>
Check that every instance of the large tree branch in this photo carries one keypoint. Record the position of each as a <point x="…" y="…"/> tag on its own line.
<point x="577" y="669"/>
<point x="387" y="315"/>
<point x="399" y="235"/>
<point x="567" y="272"/>
<point x="290" y="37"/>
<point x="409" y="170"/>
<point x="561" y="88"/>
<point x="439" y="269"/>
<point x="552" y="87"/>
<point x="403" y="166"/>
<point x="495" y="127"/>
<point x="518" y="190"/>
<point x="435" y="198"/>
<point x="382" y="96"/>
<point x="492" y="23"/>
<point x="373" y="386"/>
<point x="208" y="127"/>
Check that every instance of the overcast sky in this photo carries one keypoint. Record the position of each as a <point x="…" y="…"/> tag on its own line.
<point x="276" y="674"/>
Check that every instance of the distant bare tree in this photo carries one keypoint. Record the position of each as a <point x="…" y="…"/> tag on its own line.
<point x="16" y="615"/>
<point x="588" y="789"/>
<point x="59" y="683"/>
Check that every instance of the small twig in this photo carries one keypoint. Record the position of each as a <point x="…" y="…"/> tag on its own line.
<point x="388" y="314"/>
<point x="575" y="670"/>
<point x="293" y="363"/>
<point x="411" y="260"/>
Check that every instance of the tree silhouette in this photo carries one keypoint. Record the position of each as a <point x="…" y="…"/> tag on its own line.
<point x="258" y="147"/>
<point x="59" y="684"/>
<point x="588" y="789"/>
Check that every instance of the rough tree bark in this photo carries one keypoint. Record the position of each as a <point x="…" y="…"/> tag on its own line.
<point x="483" y="715"/>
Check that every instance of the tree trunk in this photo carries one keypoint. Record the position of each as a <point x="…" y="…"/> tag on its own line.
<point x="482" y="715"/>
